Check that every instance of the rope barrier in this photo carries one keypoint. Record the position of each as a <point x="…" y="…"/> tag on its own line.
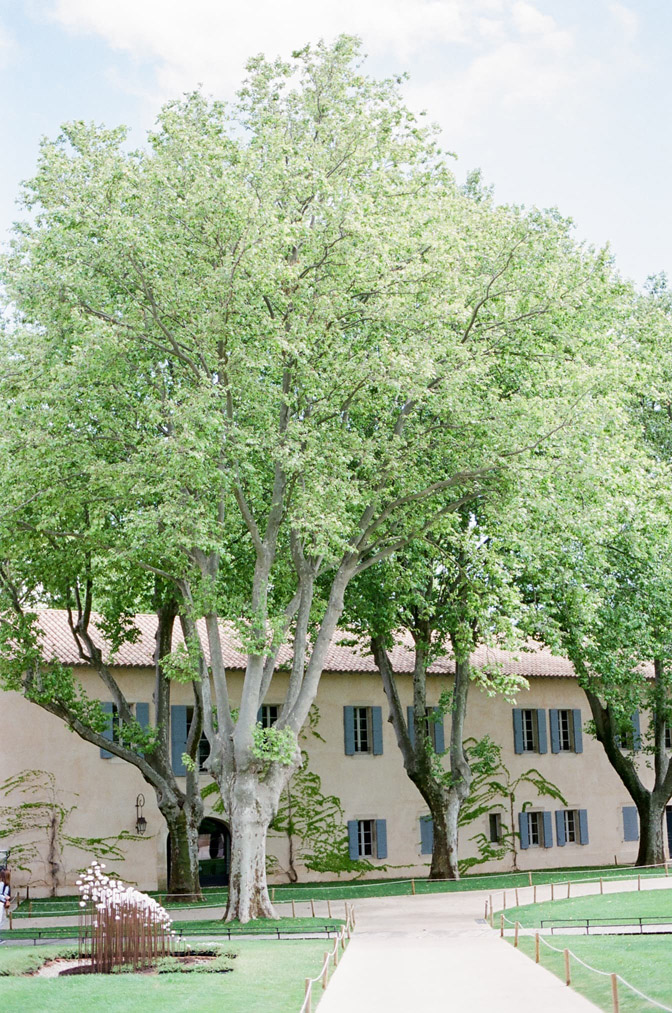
<point x="605" y="974"/>
<point x="323" y="976"/>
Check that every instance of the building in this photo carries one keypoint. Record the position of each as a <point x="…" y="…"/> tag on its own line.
<point x="356" y="757"/>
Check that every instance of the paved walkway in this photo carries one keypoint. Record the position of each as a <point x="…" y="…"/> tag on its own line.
<point x="431" y="953"/>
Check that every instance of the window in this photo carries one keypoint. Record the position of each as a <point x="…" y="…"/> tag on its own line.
<point x="668" y="737"/>
<point x="566" y="731"/>
<point x="535" y="826"/>
<point x="570" y="819"/>
<point x="495" y="821"/>
<point x="628" y="735"/>
<point x="269" y="714"/>
<point x="362" y="729"/>
<point x="114" y="724"/>
<point x="367" y="838"/>
<point x="203" y="745"/>
<point x="433" y="727"/>
<point x="530" y="731"/>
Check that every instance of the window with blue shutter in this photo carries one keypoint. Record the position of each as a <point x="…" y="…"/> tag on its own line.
<point x="583" y="826"/>
<point x="142" y="714"/>
<point x="548" y="829"/>
<point x="542" y="743"/>
<point x="426" y="835"/>
<point x="560" y="827"/>
<point x="524" y="830"/>
<point x="178" y="738"/>
<point x="381" y="839"/>
<point x="353" y="839"/>
<point x="578" y="733"/>
<point x="630" y="823"/>
<point x="518" y="743"/>
<point x="108" y="732"/>
<point x="349" y="730"/>
<point x="636" y="732"/>
<point x="439" y="734"/>
<point x="377" y="725"/>
<point x="554" y="721"/>
<point x="411" y="724"/>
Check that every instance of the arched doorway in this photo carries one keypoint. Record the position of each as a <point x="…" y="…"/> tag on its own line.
<point x="214" y="852"/>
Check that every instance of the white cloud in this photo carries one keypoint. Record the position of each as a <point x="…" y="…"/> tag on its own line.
<point x="626" y="19"/>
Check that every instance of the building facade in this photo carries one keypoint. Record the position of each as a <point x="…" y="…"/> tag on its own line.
<point x="356" y="756"/>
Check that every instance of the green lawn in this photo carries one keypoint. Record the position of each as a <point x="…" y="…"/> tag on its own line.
<point x="644" y="961"/>
<point x="267" y="976"/>
<point x="619" y="906"/>
<point x="339" y="891"/>
<point x="208" y="927"/>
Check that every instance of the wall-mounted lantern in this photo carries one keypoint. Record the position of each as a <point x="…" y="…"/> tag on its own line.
<point x="140" y="821"/>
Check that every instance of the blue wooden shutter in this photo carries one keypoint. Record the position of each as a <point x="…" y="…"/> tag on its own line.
<point x="178" y="737"/>
<point x="636" y="732"/>
<point x="578" y="733"/>
<point x="439" y="734"/>
<point x="109" y="730"/>
<point x="349" y="730"/>
<point x="541" y="731"/>
<point x="381" y="839"/>
<point x="426" y="835"/>
<point x="630" y="823"/>
<point x="411" y="725"/>
<point x="554" y="721"/>
<point x="583" y="826"/>
<point x="524" y="828"/>
<point x="377" y="722"/>
<point x="142" y="714"/>
<point x="560" y="827"/>
<point x="353" y="839"/>
<point x="548" y="829"/>
<point x="518" y="731"/>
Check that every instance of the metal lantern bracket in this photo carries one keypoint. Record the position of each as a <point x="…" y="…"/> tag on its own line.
<point x="140" y="821"/>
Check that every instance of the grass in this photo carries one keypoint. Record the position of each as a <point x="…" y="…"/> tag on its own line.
<point x="643" y="961"/>
<point x="204" y="927"/>
<point x="267" y="975"/>
<point x="304" y="892"/>
<point x="653" y="904"/>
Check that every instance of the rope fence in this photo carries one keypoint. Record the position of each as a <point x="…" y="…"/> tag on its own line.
<point x="329" y="958"/>
<point x="569" y="955"/>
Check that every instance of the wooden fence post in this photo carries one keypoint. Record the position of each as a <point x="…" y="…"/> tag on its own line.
<point x="639" y="882"/>
<point x="307" y="1006"/>
<point x="529" y="876"/>
<point x="601" y="885"/>
<point x="569" y="886"/>
<point x="517" y="901"/>
<point x="515" y="934"/>
<point x="536" y="947"/>
<point x="325" y="973"/>
<point x="534" y="888"/>
<point x="504" y="900"/>
<point x="501" y="926"/>
<point x="312" y="907"/>
<point x="552" y="891"/>
<point x="568" y="977"/>
<point x="614" y="992"/>
<point x="413" y="887"/>
<point x="293" y="909"/>
<point x="329" y="908"/>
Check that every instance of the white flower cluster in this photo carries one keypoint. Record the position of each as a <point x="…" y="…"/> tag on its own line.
<point x="114" y="900"/>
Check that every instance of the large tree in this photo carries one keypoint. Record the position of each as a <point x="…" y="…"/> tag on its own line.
<point x="335" y="346"/>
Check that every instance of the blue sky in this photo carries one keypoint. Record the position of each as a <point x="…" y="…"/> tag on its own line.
<point x="562" y="103"/>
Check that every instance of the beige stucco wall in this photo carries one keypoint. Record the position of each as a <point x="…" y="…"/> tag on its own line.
<point x="104" y="790"/>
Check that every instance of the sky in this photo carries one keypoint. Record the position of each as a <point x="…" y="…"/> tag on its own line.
<point x="560" y="103"/>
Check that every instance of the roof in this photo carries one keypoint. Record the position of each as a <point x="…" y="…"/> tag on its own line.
<point x="344" y="654"/>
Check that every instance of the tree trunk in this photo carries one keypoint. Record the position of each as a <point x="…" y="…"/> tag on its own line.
<point x="251" y="810"/>
<point x="183" y="822"/>
<point x="651" y="811"/>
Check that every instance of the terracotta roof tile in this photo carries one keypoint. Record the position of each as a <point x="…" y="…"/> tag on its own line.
<point x="344" y="655"/>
